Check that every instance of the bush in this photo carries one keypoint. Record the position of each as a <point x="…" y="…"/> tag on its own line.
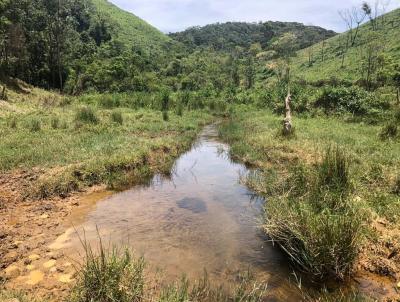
<point x="354" y="100"/>
<point x="165" y="116"/>
<point x="117" y="117"/>
<point x="35" y="125"/>
<point x="109" y="101"/>
<point x="111" y="276"/>
<point x="389" y="131"/>
<point x="86" y="115"/>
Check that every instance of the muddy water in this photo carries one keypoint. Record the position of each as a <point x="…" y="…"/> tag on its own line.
<point x="200" y="218"/>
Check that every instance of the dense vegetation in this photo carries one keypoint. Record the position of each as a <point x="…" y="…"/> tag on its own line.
<point x="228" y="36"/>
<point x="77" y="46"/>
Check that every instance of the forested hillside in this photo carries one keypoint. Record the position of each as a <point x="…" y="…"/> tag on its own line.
<point x="228" y="36"/>
<point x="77" y="45"/>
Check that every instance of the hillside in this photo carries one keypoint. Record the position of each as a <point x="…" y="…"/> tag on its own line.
<point x="131" y="29"/>
<point x="325" y="59"/>
<point x="227" y="36"/>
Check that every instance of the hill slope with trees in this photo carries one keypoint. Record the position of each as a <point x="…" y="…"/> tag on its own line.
<point x="228" y="36"/>
<point x="364" y="54"/>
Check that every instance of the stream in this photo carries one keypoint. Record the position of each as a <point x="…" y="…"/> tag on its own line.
<point x="200" y="218"/>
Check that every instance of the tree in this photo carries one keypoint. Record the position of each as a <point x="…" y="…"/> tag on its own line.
<point x="353" y="19"/>
<point x="285" y="47"/>
<point x="250" y="72"/>
<point x="372" y="59"/>
<point x="374" y="11"/>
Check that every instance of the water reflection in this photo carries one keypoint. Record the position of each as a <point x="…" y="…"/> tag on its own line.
<point x="199" y="218"/>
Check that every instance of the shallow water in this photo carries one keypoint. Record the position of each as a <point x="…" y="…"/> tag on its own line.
<point x="199" y="218"/>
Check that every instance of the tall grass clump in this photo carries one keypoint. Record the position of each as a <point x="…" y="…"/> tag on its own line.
<point x="334" y="170"/>
<point x="116" y="117"/>
<point x="109" y="276"/>
<point x="12" y="123"/>
<point x="315" y="220"/>
<point x="389" y="131"/>
<point x="55" y="122"/>
<point x="86" y="115"/>
<point x="35" y="125"/>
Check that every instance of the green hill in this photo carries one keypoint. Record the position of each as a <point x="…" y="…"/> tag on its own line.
<point x="130" y="28"/>
<point x="227" y="36"/>
<point x="325" y="60"/>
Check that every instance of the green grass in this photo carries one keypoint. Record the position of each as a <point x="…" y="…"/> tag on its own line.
<point x="117" y="275"/>
<point x="90" y="145"/>
<point x="322" y="187"/>
<point x="351" y="71"/>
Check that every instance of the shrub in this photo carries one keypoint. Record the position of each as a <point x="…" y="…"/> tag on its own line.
<point x="55" y="122"/>
<point x="389" y="131"/>
<point x="109" y="101"/>
<point x="86" y="115"/>
<point x="109" y="276"/>
<point x="354" y="100"/>
<point x="165" y="115"/>
<point x="165" y="99"/>
<point x="35" y="125"/>
<point x="117" y="117"/>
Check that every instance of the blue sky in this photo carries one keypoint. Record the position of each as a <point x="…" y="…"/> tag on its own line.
<point x="176" y="15"/>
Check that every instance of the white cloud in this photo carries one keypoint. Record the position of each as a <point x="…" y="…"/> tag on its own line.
<point x="175" y="15"/>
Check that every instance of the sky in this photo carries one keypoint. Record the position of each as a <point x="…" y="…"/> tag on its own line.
<point x="177" y="15"/>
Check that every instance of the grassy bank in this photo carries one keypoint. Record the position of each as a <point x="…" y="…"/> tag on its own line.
<point x="72" y="143"/>
<point x="331" y="190"/>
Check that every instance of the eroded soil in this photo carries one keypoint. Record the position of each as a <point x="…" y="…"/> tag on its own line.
<point x="27" y="229"/>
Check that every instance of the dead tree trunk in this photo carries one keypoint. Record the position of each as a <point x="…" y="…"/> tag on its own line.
<point x="398" y="95"/>
<point x="287" y="122"/>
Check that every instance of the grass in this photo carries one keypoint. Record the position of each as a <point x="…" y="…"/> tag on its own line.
<point x="116" y="117"/>
<point x="116" y="275"/>
<point x="90" y="145"/>
<point x="110" y="275"/>
<point x="132" y="30"/>
<point x="322" y="187"/>
<point x="324" y="69"/>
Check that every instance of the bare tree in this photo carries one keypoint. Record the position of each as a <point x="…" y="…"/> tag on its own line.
<point x="376" y="10"/>
<point x="285" y="46"/>
<point x="353" y="18"/>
